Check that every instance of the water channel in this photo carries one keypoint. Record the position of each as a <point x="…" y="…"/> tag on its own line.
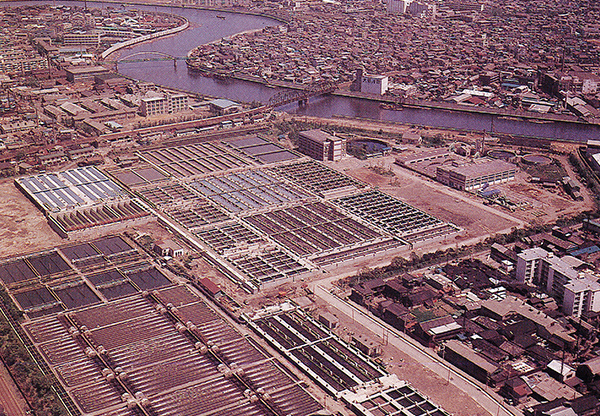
<point x="206" y="27"/>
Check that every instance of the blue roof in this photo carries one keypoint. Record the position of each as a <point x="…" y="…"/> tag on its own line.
<point x="587" y="250"/>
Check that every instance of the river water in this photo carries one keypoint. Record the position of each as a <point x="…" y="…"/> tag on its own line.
<point x="206" y="27"/>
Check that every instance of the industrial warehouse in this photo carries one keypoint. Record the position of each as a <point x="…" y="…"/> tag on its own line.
<point x="474" y="176"/>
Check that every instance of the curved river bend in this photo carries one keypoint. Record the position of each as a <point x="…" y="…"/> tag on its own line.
<point x="205" y="27"/>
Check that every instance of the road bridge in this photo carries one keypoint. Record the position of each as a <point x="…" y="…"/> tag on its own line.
<point x="146" y="56"/>
<point x="301" y="96"/>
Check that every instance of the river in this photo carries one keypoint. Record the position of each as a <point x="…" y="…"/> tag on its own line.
<point x="206" y="27"/>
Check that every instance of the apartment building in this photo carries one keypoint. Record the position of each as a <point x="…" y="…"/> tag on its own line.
<point x="581" y="295"/>
<point x="20" y="58"/>
<point x="528" y="262"/>
<point x="163" y="104"/>
<point x="576" y="292"/>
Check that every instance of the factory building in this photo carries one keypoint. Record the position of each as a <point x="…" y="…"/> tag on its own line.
<point x="474" y="176"/>
<point x="86" y="73"/>
<point x="321" y="146"/>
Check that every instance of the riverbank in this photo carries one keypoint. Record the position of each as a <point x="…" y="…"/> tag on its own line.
<point x="393" y="101"/>
<point x="446" y="106"/>
<point x="401" y="103"/>
<point x="145" y="38"/>
<point x="271" y="83"/>
<point x="282" y="19"/>
<point x="243" y="88"/>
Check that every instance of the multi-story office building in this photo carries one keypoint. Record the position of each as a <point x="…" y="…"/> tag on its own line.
<point x="86" y="38"/>
<point x="178" y="102"/>
<point x="321" y="146"/>
<point x="163" y="104"/>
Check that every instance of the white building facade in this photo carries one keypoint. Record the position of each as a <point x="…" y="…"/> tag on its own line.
<point x="576" y="292"/>
<point x="396" y="6"/>
<point x="374" y="84"/>
<point x="527" y="265"/>
<point x="581" y="295"/>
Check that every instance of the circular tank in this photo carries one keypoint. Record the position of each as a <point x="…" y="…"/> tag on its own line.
<point x="537" y="160"/>
<point x="501" y="154"/>
<point x="367" y="147"/>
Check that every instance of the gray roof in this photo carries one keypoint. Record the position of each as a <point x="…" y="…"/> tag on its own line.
<point x="533" y="253"/>
<point x="223" y="103"/>
<point x="469" y="354"/>
<point x="479" y="169"/>
<point x="317" y="135"/>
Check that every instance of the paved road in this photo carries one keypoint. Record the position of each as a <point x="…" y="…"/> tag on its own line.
<point x="488" y="400"/>
<point x="10" y="398"/>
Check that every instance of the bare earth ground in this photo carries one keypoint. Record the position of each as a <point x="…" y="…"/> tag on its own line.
<point x="438" y="200"/>
<point x="23" y="227"/>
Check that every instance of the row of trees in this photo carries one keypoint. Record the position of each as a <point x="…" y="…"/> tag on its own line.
<point x="33" y="384"/>
<point x="400" y="265"/>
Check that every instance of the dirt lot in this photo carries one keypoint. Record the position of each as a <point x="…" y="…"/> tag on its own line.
<point x="543" y="205"/>
<point x="23" y="227"/>
<point x="447" y="204"/>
